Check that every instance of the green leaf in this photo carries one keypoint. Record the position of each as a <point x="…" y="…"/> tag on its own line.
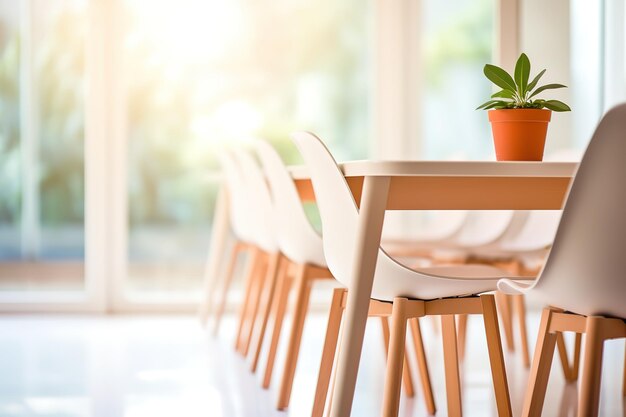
<point x="547" y="87"/>
<point x="498" y="105"/>
<point x="538" y="104"/>
<point x="522" y="72"/>
<point x="499" y="77"/>
<point x="503" y="94"/>
<point x="534" y="82"/>
<point x="556" y="105"/>
<point x="485" y="104"/>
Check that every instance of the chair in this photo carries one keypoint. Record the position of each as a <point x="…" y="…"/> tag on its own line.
<point x="583" y="278"/>
<point x="441" y="290"/>
<point x="528" y="248"/>
<point x="522" y="250"/>
<point x="244" y="228"/>
<point x="302" y="247"/>
<point x="260" y="289"/>
<point x="469" y="230"/>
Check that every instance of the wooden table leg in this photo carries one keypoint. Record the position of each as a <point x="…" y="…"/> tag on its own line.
<point x="219" y="236"/>
<point x="371" y="217"/>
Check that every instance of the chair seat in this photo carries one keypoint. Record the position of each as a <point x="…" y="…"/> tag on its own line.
<point x="394" y="279"/>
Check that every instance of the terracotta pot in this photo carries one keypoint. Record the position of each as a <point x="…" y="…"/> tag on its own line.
<point x="519" y="134"/>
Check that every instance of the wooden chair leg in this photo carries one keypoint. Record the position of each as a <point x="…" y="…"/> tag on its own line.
<point x="589" y="399"/>
<point x="422" y="365"/>
<point x="451" y="363"/>
<point x="504" y="308"/>
<point x="540" y="370"/>
<point x="576" y="364"/>
<point x="303" y="290"/>
<point x="328" y="354"/>
<point x="569" y="372"/>
<point x="251" y="274"/>
<point x="461" y="334"/>
<point x="562" y="349"/>
<point x="279" y="307"/>
<point x="407" y="379"/>
<point x="520" y="310"/>
<point x="395" y="361"/>
<point x="271" y="278"/>
<point x="254" y="307"/>
<point x="228" y="279"/>
<point x="496" y="357"/>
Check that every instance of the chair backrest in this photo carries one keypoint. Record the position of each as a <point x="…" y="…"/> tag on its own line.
<point x="537" y="232"/>
<point x="540" y="228"/>
<point x="483" y="227"/>
<point x="443" y="225"/>
<point x="260" y="210"/>
<point x="586" y="269"/>
<point x="340" y="218"/>
<point x="337" y="207"/>
<point x="239" y="203"/>
<point x="296" y="237"/>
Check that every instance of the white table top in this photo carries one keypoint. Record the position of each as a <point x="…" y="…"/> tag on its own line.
<point x="449" y="168"/>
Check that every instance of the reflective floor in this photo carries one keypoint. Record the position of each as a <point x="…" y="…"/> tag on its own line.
<point x="168" y="366"/>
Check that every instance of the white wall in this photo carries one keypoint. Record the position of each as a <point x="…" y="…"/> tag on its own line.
<point x="545" y="38"/>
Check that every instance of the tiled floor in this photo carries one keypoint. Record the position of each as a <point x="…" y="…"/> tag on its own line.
<point x="168" y="366"/>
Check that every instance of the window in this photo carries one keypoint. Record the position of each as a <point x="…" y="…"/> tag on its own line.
<point x="457" y="39"/>
<point x="203" y="74"/>
<point x="42" y="145"/>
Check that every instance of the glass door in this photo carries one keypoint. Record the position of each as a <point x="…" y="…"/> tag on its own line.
<point x="42" y="148"/>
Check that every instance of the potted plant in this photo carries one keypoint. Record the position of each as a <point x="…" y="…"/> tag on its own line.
<point x="519" y="120"/>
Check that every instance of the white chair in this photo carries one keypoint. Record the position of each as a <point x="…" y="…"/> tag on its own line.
<point x="408" y="293"/>
<point x="529" y="246"/>
<point x="245" y="231"/>
<point x="302" y="248"/>
<point x="261" y="287"/>
<point x="583" y="278"/>
<point x="459" y="233"/>
<point x="522" y="251"/>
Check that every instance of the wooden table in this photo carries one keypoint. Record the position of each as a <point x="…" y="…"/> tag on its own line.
<point x="421" y="185"/>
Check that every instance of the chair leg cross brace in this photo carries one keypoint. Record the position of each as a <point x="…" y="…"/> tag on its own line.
<point x="597" y="330"/>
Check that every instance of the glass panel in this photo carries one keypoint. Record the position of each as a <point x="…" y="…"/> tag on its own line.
<point x="204" y="73"/>
<point x="10" y="162"/>
<point x="457" y="38"/>
<point x="41" y="142"/>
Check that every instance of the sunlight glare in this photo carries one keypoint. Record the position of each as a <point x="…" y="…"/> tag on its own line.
<point x="193" y="31"/>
